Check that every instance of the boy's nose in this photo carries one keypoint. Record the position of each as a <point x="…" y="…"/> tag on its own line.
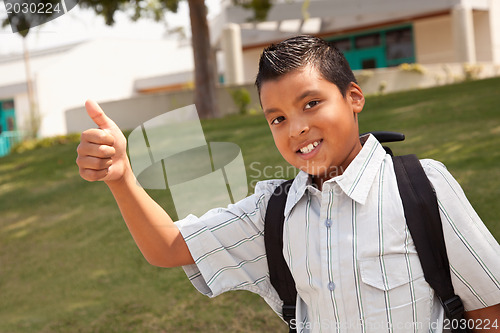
<point x="298" y="129"/>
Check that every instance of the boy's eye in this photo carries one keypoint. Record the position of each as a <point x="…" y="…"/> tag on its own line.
<point x="277" y="120"/>
<point x="311" y="104"/>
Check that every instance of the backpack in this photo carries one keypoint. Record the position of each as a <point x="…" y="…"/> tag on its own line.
<point x="422" y="218"/>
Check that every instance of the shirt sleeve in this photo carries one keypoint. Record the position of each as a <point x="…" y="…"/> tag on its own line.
<point x="227" y="245"/>
<point x="473" y="252"/>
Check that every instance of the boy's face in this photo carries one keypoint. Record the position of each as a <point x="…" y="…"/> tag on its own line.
<point x="314" y="127"/>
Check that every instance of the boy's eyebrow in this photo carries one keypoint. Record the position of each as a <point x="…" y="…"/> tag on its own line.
<point x="305" y="94"/>
<point x="298" y="99"/>
<point x="270" y="111"/>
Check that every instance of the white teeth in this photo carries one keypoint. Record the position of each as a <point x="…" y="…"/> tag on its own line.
<point x="307" y="149"/>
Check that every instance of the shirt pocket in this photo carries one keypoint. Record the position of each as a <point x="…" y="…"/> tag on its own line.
<point x="394" y="286"/>
<point x="390" y="271"/>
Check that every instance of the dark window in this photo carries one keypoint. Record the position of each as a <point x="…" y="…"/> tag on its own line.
<point x="366" y="41"/>
<point x="399" y="44"/>
<point x="10" y="124"/>
<point x="369" y="63"/>
<point x="7" y="105"/>
<point x="342" y="44"/>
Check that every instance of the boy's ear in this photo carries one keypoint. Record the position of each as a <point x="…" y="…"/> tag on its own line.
<point x="356" y="97"/>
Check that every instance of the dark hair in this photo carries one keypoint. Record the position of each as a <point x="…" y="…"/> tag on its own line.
<point x="297" y="52"/>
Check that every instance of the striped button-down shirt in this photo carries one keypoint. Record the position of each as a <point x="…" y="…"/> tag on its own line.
<point x="349" y="250"/>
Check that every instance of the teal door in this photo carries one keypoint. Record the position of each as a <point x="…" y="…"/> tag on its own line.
<point x="367" y="58"/>
<point x="7" y="116"/>
<point x="368" y="51"/>
<point x="8" y="133"/>
<point x="377" y="49"/>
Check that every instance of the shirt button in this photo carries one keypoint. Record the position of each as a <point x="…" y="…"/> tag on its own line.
<point x="328" y="223"/>
<point x="331" y="286"/>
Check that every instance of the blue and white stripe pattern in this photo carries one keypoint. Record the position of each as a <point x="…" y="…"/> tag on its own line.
<point x="349" y="248"/>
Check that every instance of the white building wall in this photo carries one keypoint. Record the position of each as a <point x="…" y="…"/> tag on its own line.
<point x="233" y="54"/>
<point x="482" y="36"/>
<point x="96" y="70"/>
<point x="463" y="33"/>
<point x="22" y="107"/>
<point x="104" y="70"/>
<point x="13" y="73"/>
<point x="494" y="12"/>
<point x="251" y="64"/>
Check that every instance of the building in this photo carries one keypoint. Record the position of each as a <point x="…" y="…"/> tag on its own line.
<point x="137" y="79"/>
<point x="450" y="39"/>
<point x="64" y="77"/>
<point x="379" y="33"/>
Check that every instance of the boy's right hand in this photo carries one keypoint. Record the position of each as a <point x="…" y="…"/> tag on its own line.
<point x="102" y="152"/>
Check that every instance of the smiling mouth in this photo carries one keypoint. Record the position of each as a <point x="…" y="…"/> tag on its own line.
<point x="309" y="148"/>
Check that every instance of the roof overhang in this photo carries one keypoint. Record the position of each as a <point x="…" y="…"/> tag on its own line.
<point x="329" y="17"/>
<point x="11" y="90"/>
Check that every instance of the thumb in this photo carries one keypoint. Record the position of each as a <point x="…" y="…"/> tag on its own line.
<point x="98" y="116"/>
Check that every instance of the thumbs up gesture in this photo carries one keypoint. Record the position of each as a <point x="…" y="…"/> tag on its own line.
<point x="102" y="152"/>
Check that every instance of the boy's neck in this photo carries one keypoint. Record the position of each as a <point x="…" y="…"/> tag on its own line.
<point x="339" y="170"/>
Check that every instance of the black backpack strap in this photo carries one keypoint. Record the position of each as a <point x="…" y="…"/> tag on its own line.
<point x="280" y="275"/>
<point x="423" y="220"/>
<point x="386" y="136"/>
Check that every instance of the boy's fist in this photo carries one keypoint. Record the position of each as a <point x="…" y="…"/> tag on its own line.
<point x="102" y="151"/>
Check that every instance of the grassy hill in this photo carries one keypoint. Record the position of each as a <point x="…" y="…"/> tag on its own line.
<point x="68" y="263"/>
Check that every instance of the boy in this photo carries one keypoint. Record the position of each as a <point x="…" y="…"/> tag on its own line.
<point x="345" y="236"/>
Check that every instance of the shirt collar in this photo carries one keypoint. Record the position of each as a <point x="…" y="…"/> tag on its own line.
<point x="297" y="190"/>
<point x="356" y="180"/>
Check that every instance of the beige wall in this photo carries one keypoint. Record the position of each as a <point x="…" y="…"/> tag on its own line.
<point x="434" y="40"/>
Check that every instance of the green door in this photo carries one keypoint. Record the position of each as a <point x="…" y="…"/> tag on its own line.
<point x="7" y="116"/>
<point x="368" y="51"/>
<point x="8" y="134"/>
<point x="367" y="58"/>
<point x="377" y="49"/>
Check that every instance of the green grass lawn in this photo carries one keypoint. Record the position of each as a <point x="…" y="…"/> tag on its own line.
<point x="68" y="263"/>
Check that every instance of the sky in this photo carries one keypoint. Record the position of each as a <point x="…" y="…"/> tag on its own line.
<point x="83" y="24"/>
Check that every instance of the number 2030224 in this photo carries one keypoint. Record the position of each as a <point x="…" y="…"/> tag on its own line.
<point x="476" y="324"/>
<point x="33" y="8"/>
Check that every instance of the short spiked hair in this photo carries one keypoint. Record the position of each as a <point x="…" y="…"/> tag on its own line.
<point x="297" y="52"/>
